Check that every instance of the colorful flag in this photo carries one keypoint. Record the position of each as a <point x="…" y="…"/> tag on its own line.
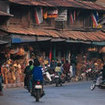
<point x="52" y="13"/>
<point x="50" y="55"/>
<point x="38" y="15"/>
<point x="71" y="18"/>
<point x="45" y="14"/>
<point x="95" y="18"/>
<point x="74" y="15"/>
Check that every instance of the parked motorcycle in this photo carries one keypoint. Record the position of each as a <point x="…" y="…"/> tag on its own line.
<point x="98" y="83"/>
<point x="38" y="90"/>
<point x="67" y="77"/>
<point x="47" y="76"/>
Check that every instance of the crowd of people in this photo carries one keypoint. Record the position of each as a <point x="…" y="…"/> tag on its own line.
<point x="75" y="67"/>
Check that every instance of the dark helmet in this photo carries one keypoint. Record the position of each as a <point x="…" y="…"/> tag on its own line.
<point x="30" y="62"/>
<point x="36" y="62"/>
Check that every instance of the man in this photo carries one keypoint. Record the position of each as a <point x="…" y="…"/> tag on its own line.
<point x="66" y="70"/>
<point x="103" y="72"/>
<point x="37" y="75"/>
<point x="66" y="67"/>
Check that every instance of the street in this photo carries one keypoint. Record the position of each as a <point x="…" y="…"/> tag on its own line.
<point x="77" y="93"/>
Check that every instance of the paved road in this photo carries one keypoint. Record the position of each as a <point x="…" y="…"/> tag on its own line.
<point x="69" y="94"/>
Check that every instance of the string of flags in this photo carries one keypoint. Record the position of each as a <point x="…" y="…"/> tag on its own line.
<point x="61" y="15"/>
<point x="95" y="17"/>
<point x="72" y="16"/>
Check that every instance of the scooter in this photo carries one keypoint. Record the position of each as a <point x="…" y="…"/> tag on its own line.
<point x="38" y="90"/>
<point x="47" y="76"/>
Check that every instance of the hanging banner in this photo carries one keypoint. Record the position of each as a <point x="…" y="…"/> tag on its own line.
<point x="62" y="15"/>
<point x="50" y="13"/>
<point x="38" y="15"/>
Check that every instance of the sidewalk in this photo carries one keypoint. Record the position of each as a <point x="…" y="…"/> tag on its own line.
<point x="13" y="85"/>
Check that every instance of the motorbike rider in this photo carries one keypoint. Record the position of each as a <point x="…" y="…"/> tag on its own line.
<point x="101" y="77"/>
<point x="27" y="71"/>
<point x="58" y="68"/>
<point x="37" y="75"/>
<point x="103" y="73"/>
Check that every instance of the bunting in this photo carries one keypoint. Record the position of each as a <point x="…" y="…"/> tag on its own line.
<point x="50" y="55"/>
<point x="72" y="17"/>
<point x="95" y="18"/>
<point x="51" y="14"/>
<point x="39" y="15"/>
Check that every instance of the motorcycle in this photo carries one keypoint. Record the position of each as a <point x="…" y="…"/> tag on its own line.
<point x="47" y="76"/>
<point x="67" y="77"/>
<point x="38" y="90"/>
<point x="98" y="83"/>
<point x="57" y="79"/>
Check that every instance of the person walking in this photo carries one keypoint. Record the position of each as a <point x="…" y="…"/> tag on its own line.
<point x="1" y="80"/>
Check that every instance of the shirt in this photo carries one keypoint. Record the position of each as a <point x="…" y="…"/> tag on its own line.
<point x="37" y="73"/>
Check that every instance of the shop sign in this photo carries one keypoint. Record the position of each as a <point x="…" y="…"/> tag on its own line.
<point x="62" y="15"/>
<point x="22" y="38"/>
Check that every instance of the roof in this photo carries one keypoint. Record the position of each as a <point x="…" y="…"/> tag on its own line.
<point x="72" y="35"/>
<point x="60" y="3"/>
<point x="3" y="42"/>
<point x="101" y="2"/>
<point x="36" y="32"/>
<point x="4" y="14"/>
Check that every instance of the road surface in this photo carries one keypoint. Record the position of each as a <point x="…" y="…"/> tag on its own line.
<point x="70" y="94"/>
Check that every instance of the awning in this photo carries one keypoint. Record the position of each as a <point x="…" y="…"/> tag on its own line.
<point x="3" y="42"/>
<point x="28" y="38"/>
<point x="21" y="38"/>
<point x="4" y="14"/>
<point x="99" y="43"/>
<point x="29" y="35"/>
<point x="77" y="41"/>
<point x="57" y="40"/>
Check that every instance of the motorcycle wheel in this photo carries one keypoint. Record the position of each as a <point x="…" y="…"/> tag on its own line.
<point x="56" y="83"/>
<point x="37" y="95"/>
<point x="92" y="87"/>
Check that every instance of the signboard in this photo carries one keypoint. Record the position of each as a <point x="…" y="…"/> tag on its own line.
<point x="22" y="38"/>
<point x="62" y="15"/>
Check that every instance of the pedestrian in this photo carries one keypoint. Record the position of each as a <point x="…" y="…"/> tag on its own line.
<point x="1" y="80"/>
<point x="66" y="70"/>
<point x="66" y="67"/>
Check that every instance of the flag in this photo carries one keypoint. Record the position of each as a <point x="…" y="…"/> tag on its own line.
<point x="74" y="17"/>
<point x="50" y="55"/>
<point x="52" y="13"/>
<point x="39" y="15"/>
<point x="45" y="14"/>
<point x="71" y="18"/>
<point x="95" y="18"/>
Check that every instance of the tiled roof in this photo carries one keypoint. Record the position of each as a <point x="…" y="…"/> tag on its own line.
<point x="60" y="3"/>
<point x="74" y="35"/>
